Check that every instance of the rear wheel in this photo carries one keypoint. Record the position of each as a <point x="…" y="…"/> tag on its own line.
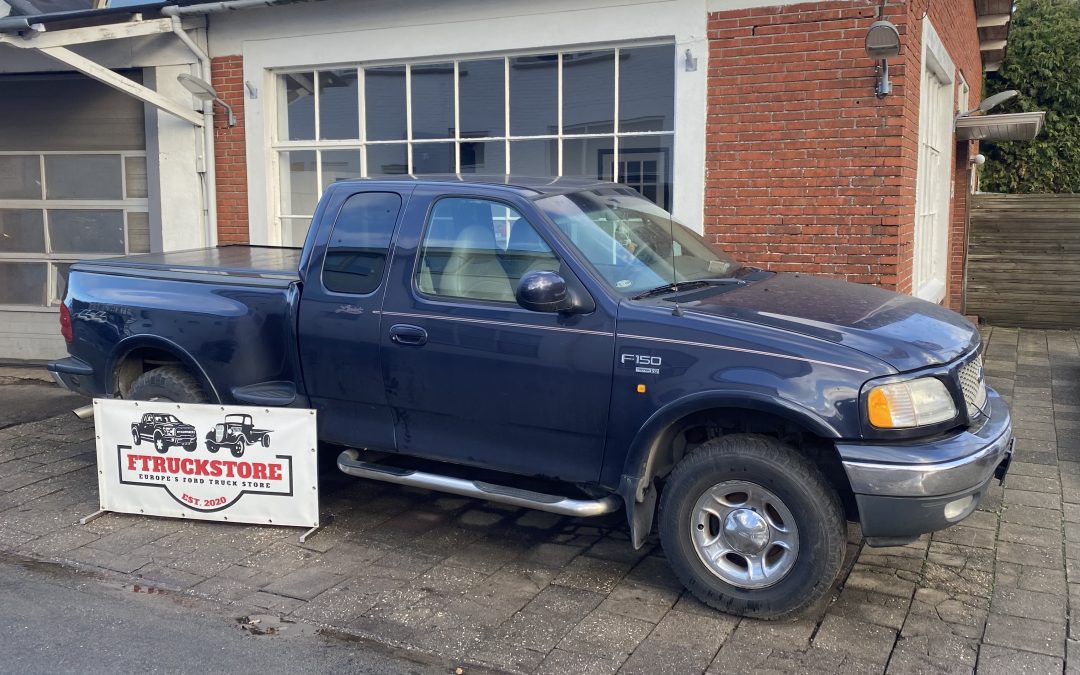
<point x="752" y="527"/>
<point x="168" y="383"/>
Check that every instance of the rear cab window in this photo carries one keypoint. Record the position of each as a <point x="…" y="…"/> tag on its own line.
<point x="360" y="243"/>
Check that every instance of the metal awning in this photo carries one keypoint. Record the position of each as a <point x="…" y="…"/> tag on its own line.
<point x="1006" y="127"/>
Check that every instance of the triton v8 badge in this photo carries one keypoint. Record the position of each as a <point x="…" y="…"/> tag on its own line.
<point x="643" y="363"/>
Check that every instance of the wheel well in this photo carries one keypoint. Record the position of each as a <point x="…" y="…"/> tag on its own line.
<point x="693" y="430"/>
<point x="144" y="359"/>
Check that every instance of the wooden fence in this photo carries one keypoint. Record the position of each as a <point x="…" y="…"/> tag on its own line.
<point x="1024" y="260"/>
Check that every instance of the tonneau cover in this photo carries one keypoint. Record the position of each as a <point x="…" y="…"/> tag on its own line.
<point x="240" y="263"/>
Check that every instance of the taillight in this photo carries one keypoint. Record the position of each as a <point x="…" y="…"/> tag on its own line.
<point x="65" y="324"/>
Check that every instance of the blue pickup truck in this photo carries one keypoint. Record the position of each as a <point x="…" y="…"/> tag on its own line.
<point x="565" y="345"/>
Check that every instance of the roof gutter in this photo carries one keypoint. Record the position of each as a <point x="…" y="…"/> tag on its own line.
<point x="218" y="7"/>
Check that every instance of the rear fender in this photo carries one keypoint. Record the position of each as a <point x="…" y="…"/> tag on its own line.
<point x="636" y="485"/>
<point x="125" y="347"/>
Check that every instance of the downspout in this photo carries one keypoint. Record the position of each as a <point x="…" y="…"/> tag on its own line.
<point x="209" y="159"/>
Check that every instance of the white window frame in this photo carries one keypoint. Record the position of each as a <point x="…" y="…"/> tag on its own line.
<point x="930" y="251"/>
<point x="126" y="204"/>
<point x="361" y="143"/>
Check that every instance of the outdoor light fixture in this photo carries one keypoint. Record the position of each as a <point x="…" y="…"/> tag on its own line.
<point x="991" y="102"/>
<point x="882" y="41"/>
<point x="204" y="91"/>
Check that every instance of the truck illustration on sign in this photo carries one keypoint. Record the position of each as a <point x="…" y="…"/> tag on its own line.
<point x="164" y="431"/>
<point x="236" y="433"/>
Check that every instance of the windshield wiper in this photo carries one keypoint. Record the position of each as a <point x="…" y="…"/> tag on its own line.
<point x="688" y="285"/>
<point x="670" y="288"/>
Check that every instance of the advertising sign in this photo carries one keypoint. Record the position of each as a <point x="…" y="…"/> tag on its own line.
<point x="208" y="462"/>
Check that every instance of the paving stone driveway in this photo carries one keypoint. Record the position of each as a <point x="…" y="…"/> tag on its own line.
<point x="518" y="590"/>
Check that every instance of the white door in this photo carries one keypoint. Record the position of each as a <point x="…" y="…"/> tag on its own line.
<point x="934" y="177"/>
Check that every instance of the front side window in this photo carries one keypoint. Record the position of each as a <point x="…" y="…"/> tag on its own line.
<point x="635" y="245"/>
<point x="359" y="243"/>
<point x="606" y="114"/>
<point x="479" y="249"/>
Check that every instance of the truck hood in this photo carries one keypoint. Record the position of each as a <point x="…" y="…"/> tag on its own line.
<point x="903" y="331"/>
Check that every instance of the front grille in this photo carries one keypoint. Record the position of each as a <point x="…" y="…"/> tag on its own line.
<point x="973" y="385"/>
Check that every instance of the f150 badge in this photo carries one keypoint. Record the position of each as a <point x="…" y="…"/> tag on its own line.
<point x="643" y="363"/>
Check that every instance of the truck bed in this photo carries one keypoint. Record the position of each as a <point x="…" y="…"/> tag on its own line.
<point x="232" y="264"/>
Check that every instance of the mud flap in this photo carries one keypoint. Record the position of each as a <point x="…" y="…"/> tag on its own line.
<point x="640" y="516"/>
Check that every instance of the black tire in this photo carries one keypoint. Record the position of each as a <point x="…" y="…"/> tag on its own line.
<point x="190" y="447"/>
<point x="211" y="447"/>
<point x="801" y="487"/>
<point x="238" y="449"/>
<point x="159" y="443"/>
<point x="168" y="383"/>
<point x="265" y="440"/>
<point x="135" y="437"/>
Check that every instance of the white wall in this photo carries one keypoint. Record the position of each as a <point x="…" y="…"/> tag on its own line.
<point x="341" y="31"/>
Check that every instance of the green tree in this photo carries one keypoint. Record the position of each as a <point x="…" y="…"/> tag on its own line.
<point x="1043" y="64"/>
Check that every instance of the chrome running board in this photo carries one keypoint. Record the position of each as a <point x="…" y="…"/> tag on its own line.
<point x="349" y="462"/>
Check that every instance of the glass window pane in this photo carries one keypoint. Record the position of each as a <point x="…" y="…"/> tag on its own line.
<point x="135" y="177"/>
<point x="22" y="231"/>
<point x="487" y="158"/>
<point x="589" y="92"/>
<point x="296" y="107"/>
<point x="339" y="165"/>
<point x="387" y="160"/>
<point x="588" y="157"/>
<point x="138" y="229"/>
<point x="384" y="103"/>
<point x="356" y="252"/>
<point x="299" y="189"/>
<point x="86" y="231"/>
<point x="534" y="158"/>
<point x="482" y="98"/>
<point x="83" y="177"/>
<point x="645" y="165"/>
<point x="534" y="86"/>
<point x="20" y="177"/>
<point x="339" y="104"/>
<point x="647" y="88"/>
<point x="460" y="256"/>
<point x="433" y="101"/>
<point x="433" y="158"/>
<point x="294" y="231"/>
<point x="61" y="270"/>
<point x="23" y="283"/>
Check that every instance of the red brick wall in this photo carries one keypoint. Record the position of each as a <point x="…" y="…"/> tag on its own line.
<point x="230" y="151"/>
<point x="806" y="170"/>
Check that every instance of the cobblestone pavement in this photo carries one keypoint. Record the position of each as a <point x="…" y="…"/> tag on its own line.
<point x="518" y="590"/>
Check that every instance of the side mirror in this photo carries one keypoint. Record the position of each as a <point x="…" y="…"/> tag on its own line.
<point x="543" y="292"/>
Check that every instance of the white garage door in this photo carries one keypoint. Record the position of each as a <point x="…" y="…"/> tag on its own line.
<point x="72" y="186"/>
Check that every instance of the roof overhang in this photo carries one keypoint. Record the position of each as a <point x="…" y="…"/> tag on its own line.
<point x="992" y="19"/>
<point x="1006" y="127"/>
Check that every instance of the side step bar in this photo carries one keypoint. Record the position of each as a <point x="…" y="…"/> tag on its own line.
<point x="349" y="461"/>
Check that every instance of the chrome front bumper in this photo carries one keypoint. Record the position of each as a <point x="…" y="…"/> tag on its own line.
<point x="955" y="463"/>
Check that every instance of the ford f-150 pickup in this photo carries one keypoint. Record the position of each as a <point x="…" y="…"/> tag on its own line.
<point x="565" y="345"/>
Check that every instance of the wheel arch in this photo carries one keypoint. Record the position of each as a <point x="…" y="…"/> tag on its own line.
<point x="663" y="440"/>
<point x="141" y="353"/>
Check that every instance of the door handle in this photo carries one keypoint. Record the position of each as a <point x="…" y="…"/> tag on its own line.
<point x="409" y="335"/>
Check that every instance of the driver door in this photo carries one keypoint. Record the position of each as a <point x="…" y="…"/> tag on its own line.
<point x="471" y="376"/>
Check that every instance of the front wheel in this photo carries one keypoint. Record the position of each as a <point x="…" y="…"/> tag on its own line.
<point x="135" y="437"/>
<point x="752" y="527"/>
<point x="238" y="449"/>
<point x="159" y="444"/>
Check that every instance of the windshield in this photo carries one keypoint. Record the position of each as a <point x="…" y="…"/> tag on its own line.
<point x="169" y="419"/>
<point x="631" y="242"/>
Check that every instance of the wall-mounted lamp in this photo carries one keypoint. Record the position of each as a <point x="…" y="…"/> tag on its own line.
<point x="977" y="160"/>
<point x="204" y="91"/>
<point x="882" y="41"/>
<point x="689" y="61"/>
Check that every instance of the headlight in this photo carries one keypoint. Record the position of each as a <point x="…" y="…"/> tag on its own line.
<point x="915" y="403"/>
